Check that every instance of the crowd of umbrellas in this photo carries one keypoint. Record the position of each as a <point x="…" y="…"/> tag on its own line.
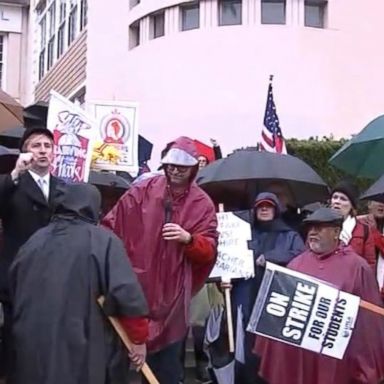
<point x="235" y="180"/>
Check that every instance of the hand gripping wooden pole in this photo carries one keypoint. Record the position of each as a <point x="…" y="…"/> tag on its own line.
<point x="146" y="371"/>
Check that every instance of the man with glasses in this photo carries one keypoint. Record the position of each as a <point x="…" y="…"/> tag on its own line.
<point x="168" y="225"/>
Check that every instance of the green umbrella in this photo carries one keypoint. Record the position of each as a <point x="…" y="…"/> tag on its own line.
<point x="363" y="155"/>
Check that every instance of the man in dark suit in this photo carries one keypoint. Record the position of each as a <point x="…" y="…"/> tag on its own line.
<point x="27" y="196"/>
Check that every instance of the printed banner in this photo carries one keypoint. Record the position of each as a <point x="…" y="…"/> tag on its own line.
<point x="73" y="132"/>
<point x="234" y="259"/>
<point x="300" y="310"/>
<point x="116" y="146"/>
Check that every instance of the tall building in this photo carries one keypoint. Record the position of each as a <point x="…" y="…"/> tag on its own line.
<point x="14" y="48"/>
<point x="201" y="68"/>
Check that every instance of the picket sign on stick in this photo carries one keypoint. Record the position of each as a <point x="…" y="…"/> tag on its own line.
<point x="372" y="307"/>
<point x="228" y="305"/>
<point x="146" y="371"/>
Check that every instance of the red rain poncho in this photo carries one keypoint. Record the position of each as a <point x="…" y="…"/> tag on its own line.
<point x="363" y="362"/>
<point x="169" y="272"/>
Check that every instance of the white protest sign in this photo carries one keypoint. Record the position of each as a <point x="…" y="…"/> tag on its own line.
<point x="303" y="311"/>
<point x="73" y="131"/>
<point x="234" y="259"/>
<point x="116" y="146"/>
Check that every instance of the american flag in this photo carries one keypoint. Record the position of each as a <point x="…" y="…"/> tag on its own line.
<point x="272" y="139"/>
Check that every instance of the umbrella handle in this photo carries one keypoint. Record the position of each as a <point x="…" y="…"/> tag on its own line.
<point x="146" y="371"/>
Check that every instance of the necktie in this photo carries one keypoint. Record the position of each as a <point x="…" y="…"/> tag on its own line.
<point x="43" y="186"/>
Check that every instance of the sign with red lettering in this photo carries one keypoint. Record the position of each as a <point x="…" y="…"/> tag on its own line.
<point x="299" y="310"/>
<point x="73" y="131"/>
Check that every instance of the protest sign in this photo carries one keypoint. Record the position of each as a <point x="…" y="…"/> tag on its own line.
<point x="116" y="146"/>
<point x="300" y="310"/>
<point x="73" y="132"/>
<point x="234" y="259"/>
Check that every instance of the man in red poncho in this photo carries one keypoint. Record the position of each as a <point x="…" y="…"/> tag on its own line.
<point x="168" y="225"/>
<point x="363" y="362"/>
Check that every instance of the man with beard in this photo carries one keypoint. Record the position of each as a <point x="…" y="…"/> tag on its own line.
<point x="168" y="226"/>
<point x="61" y="335"/>
<point x="339" y="265"/>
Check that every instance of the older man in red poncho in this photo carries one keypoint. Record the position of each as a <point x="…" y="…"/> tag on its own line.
<point x="363" y="362"/>
<point x="168" y="225"/>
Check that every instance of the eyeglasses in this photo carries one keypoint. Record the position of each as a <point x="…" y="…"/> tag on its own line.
<point x="179" y="168"/>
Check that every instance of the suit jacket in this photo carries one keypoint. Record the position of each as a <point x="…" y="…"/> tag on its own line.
<point x="23" y="210"/>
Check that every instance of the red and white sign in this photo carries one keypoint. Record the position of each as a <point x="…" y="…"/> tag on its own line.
<point x="74" y="131"/>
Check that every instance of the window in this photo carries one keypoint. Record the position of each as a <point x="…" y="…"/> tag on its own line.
<point x="79" y="97"/>
<point x="134" y="35"/>
<point x="51" y="34"/>
<point x="61" y="30"/>
<point x="315" y="11"/>
<point x="230" y="12"/>
<point x="72" y="23"/>
<point x="59" y="23"/>
<point x="133" y="3"/>
<point x="83" y="14"/>
<point x="43" y="38"/>
<point x="190" y="16"/>
<point x="157" y="25"/>
<point x="1" y="60"/>
<point x="273" y="11"/>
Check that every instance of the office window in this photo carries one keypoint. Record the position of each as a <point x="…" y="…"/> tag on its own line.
<point x="83" y="14"/>
<point x="1" y="60"/>
<point x="61" y="30"/>
<point x="157" y="25"/>
<point x="230" y="12"/>
<point x="134" y="35"/>
<point x="273" y="11"/>
<point x="79" y="97"/>
<point x="133" y="3"/>
<point x="190" y="16"/>
<point x="315" y="13"/>
<point x="59" y="23"/>
<point x="72" y="23"/>
<point x="51" y="34"/>
<point x="43" y="39"/>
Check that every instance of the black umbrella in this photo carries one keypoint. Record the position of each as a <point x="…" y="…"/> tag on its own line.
<point x="108" y="179"/>
<point x="375" y="192"/>
<point x="8" y="159"/>
<point x="238" y="178"/>
<point x="11" y="137"/>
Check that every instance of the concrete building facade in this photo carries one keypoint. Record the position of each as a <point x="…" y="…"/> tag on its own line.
<point x="201" y="68"/>
<point x="14" y="48"/>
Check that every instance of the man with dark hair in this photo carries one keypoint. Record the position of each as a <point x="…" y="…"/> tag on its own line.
<point x="329" y="260"/>
<point x="27" y="196"/>
<point x="60" y="334"/>
<point x="168" y="225"/>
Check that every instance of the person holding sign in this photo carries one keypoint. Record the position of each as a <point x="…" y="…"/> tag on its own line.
<point x="272" y="240"/>
<point x="332" y="262"/>
<point x="168" y="225"/>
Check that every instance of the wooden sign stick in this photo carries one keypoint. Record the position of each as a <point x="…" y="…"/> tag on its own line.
<point x="146" y="371"/>
<point x="228" y="307"/>
<point x="372" y="307"/>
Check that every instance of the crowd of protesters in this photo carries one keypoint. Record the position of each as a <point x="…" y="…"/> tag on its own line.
<point x="150" y="256"/>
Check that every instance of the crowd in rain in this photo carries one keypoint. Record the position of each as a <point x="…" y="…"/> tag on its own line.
<point x="149" y="253"/>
